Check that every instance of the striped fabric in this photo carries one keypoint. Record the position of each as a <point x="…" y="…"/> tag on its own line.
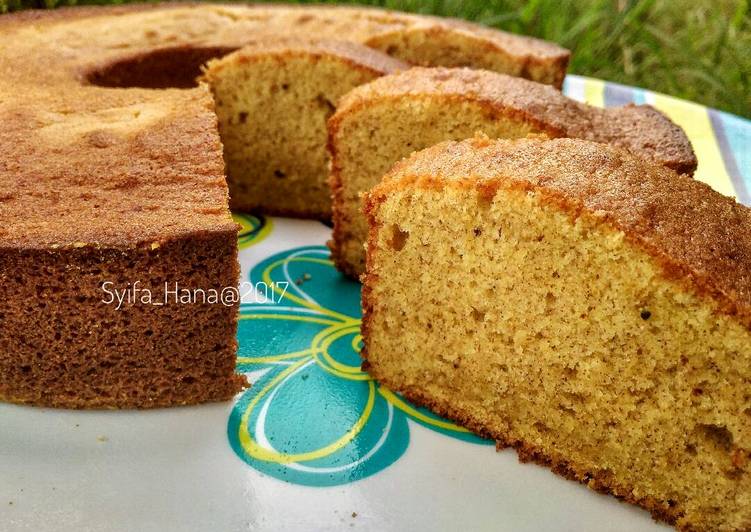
<point x="722" y="141"/>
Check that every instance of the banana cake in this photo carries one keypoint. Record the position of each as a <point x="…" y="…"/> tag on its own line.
<point x="587" y="307"/>
<point x="112" y="187"/>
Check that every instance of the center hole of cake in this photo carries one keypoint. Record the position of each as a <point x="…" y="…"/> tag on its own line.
<point x="177" y="67"/>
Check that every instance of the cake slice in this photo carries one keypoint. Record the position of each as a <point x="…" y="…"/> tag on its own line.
<point x="273" y="98"/>
<point x="584" y="306"/>
<point x="379" y="123"/>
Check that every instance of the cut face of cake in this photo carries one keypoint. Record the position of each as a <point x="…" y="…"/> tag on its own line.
<point x="273" y="99"/>
<point x="379" y="123"/>
<point x="586" y="307"/>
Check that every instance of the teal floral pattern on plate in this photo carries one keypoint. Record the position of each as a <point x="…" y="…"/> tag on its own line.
<point x="312" y="417"/>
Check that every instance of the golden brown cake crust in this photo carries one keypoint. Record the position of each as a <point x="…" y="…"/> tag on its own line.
<point x="355" y="54"/>
<point x="698" y="236"/>
<point x="231" y="26"/>
<point x="377" y="21"/>
<point x="76" y="173"/>
<point x="639" y="128"/>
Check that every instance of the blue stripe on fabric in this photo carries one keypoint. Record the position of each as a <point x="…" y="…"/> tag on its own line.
<point x="733" y="135"/>
<point x="617" y="95"/>
<point x="639" y="95"/>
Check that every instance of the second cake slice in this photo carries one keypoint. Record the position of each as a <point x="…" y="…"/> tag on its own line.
<point x="379" y="123"/>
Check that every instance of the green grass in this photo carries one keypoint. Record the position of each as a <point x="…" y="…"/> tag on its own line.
<point x="699" y="50"/>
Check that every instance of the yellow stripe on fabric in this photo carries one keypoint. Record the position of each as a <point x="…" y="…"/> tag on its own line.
<point x="594" y="92"/>
<point x="694" y="119"/>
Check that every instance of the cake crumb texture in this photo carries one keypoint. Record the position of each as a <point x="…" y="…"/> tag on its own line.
<point x="273" y="98"/>
<point x="86" y="327"/>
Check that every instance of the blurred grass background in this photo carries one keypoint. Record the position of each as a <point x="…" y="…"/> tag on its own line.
<point x="694" y="49"/>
